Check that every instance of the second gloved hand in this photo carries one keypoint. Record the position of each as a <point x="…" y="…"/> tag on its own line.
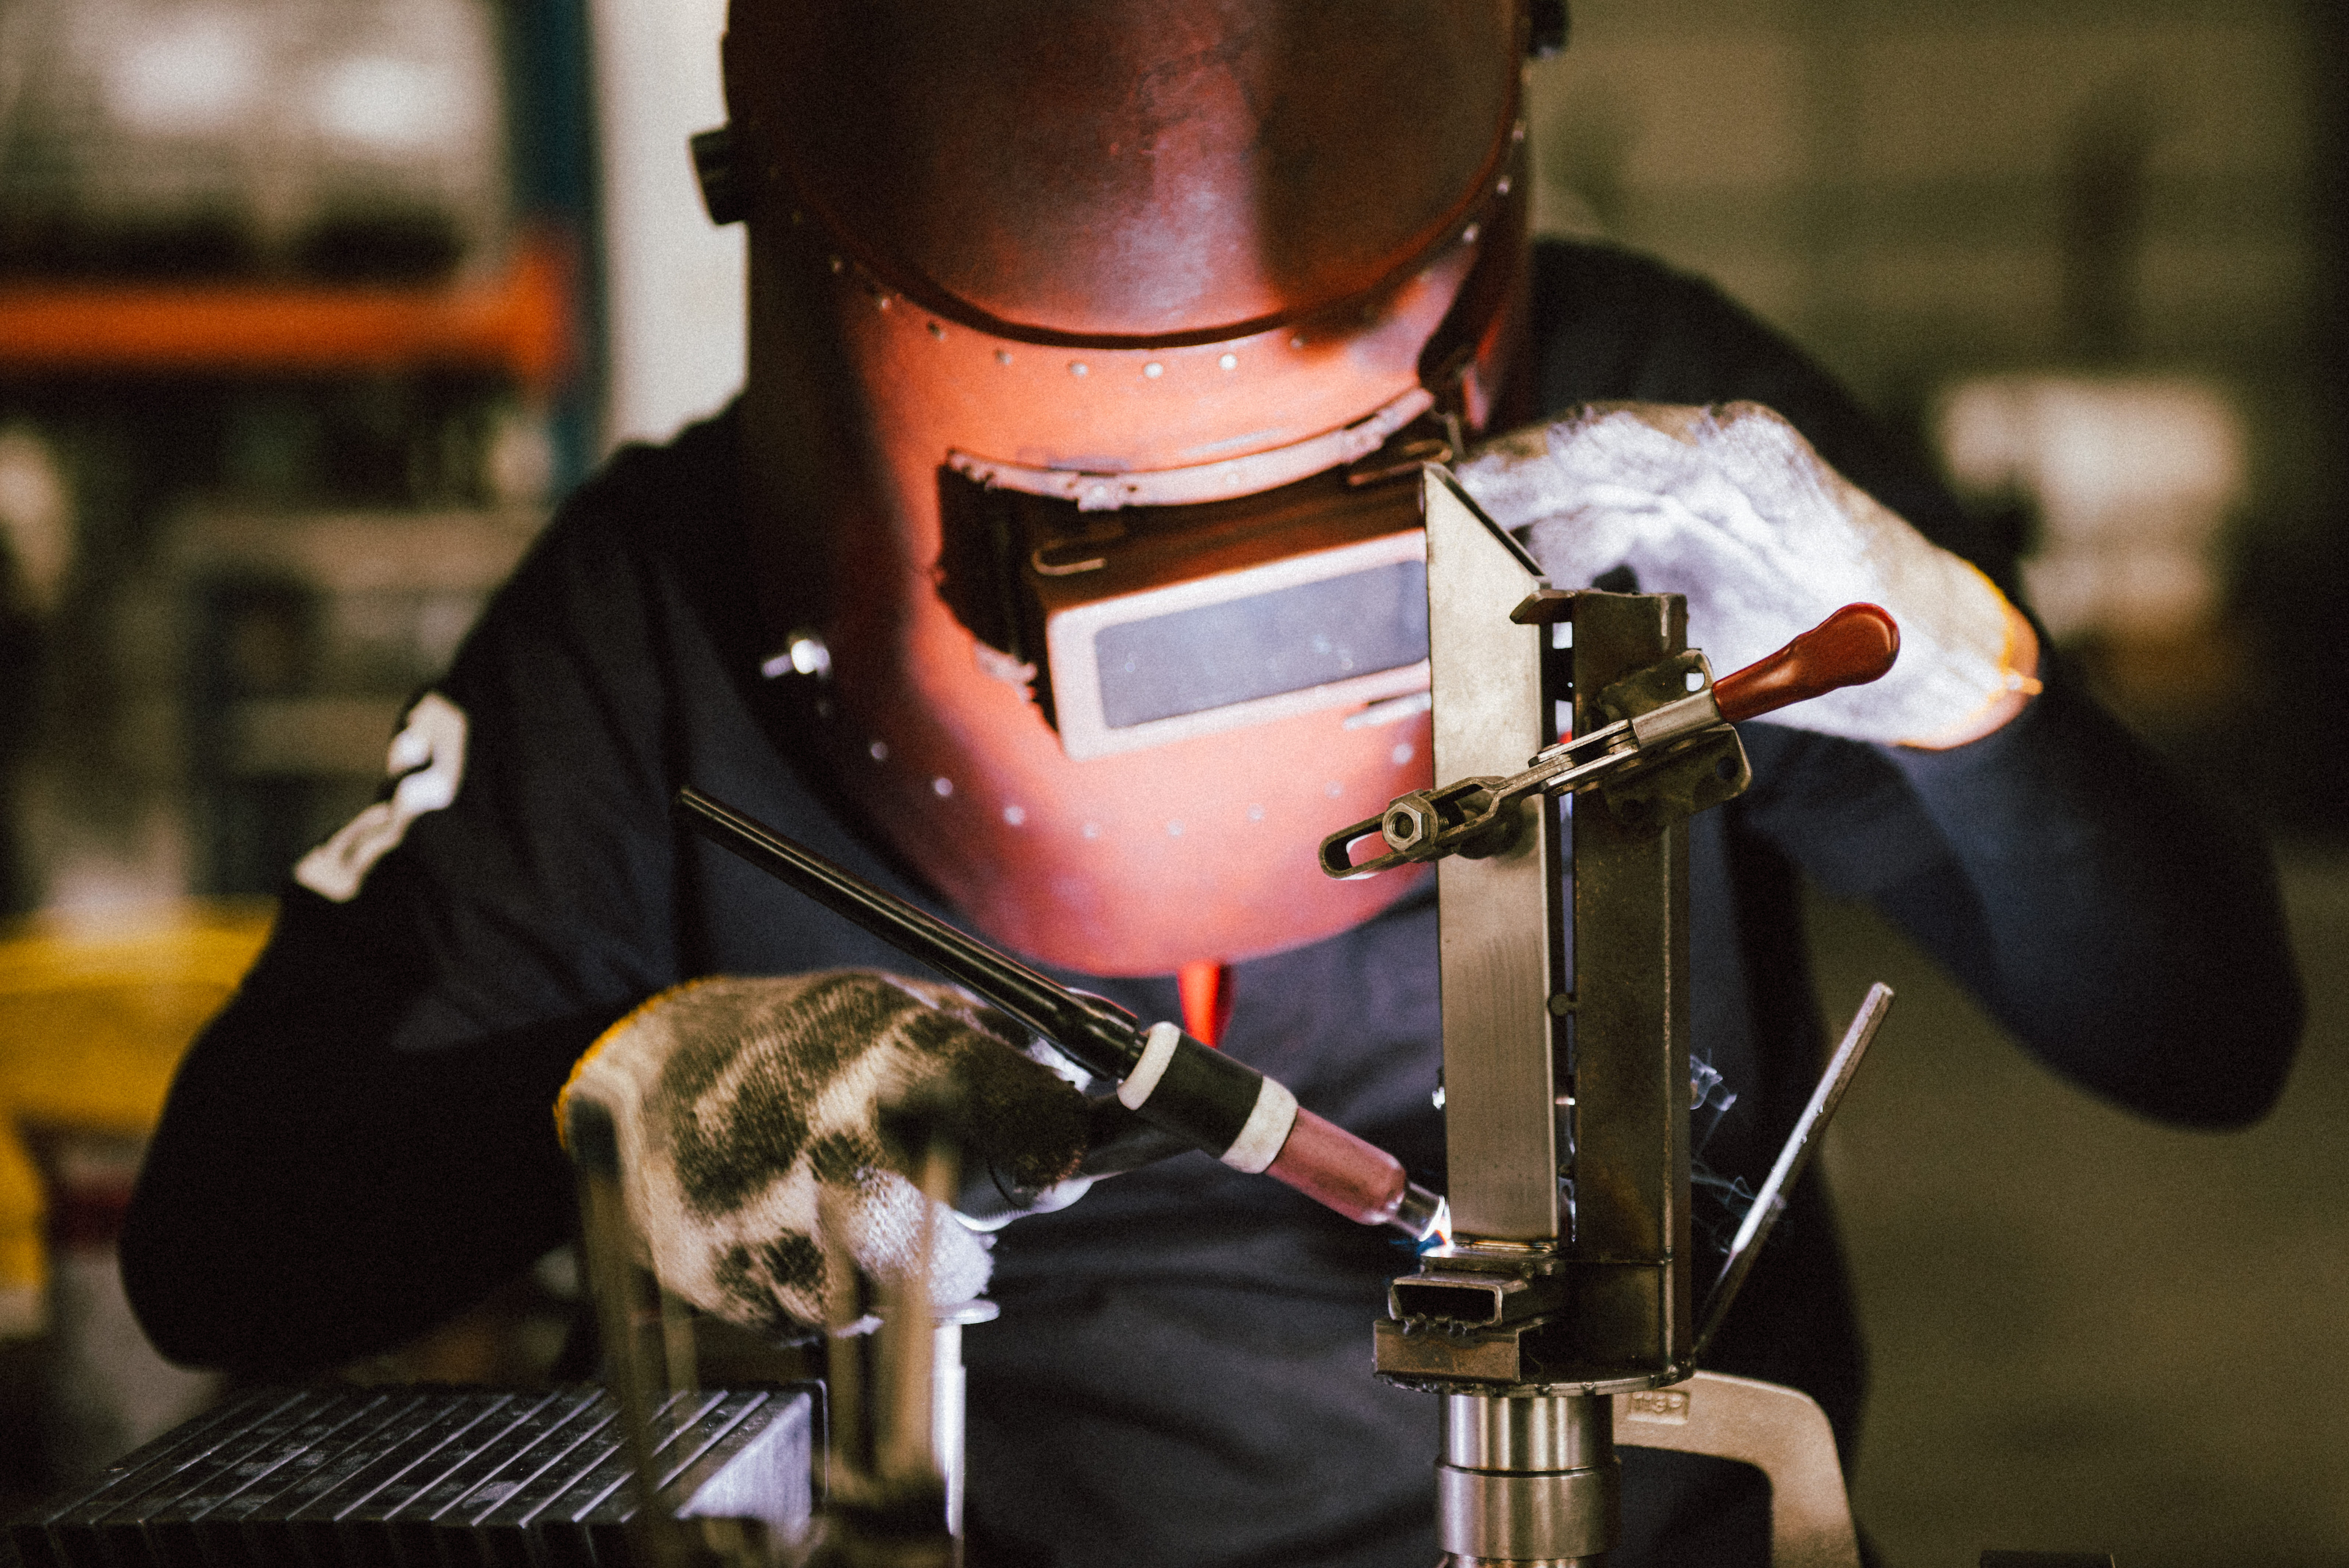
<point x="1731" y="507"/>
<point x="752" y="1119"/>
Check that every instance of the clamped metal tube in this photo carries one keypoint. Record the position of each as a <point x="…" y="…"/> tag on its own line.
<point x="1175" y="1083"/>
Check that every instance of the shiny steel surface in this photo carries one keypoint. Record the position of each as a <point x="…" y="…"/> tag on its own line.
<point x="1520" y="1518"/>
<point x="1500" y="916"/>
<point x="1527" y="1479"/>
<point x="1630" y="986"/>
<point x="1544" y="1432"/>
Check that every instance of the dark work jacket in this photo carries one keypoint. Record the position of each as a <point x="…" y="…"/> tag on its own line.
<point x="361" y="1143"/>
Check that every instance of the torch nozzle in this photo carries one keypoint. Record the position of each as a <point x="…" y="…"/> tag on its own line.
<point x="1422" y="1216"/>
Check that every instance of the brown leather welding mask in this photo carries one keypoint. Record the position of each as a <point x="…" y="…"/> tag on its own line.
<point x="1159" y="273"/>
<point x="1127" y="321"/>
<point x="1130" y="174"/>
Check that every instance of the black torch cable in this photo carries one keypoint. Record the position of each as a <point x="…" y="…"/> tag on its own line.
<point x="1103" y="1037"/>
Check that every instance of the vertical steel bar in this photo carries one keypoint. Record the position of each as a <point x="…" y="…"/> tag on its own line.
<point x="1496" y="914"/>
<point x="1632" y="1242"/>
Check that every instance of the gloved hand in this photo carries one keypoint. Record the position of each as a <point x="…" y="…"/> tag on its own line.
<point x="1732" y="508"/>
<point x="754" y="1115"/>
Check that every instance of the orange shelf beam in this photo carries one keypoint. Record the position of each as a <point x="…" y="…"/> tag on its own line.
<point x="519" y="322"/>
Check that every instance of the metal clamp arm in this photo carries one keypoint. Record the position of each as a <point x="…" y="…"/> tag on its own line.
<point x="1470" y="817"/>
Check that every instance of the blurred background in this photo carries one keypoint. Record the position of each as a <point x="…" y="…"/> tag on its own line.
<point x="310" y="309"/>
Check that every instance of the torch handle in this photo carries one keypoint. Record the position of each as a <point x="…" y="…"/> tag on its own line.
<point x="1181" y="1085"/>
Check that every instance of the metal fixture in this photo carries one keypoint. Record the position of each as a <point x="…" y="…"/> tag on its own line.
<point x="1560" y="1319"/>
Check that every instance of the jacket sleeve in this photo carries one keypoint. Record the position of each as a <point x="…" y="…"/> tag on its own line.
<point x="362" y="1143"/>
<point x="2126" y="928"/>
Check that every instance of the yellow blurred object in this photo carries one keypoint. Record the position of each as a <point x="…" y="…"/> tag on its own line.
<point x="93" y="1022"/>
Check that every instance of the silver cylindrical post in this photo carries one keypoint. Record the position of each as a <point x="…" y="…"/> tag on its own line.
<point x="1530" y="1482"/>
<point x="949" y="1400"/>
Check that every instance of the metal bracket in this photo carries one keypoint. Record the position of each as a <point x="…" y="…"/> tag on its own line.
<point x="1699" y="774"/>
<point x="1780" y="1431"/>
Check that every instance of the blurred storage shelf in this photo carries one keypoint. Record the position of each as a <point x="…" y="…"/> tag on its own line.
<point x="465" y="551"/>
<point x="307" y="636"/>
<point x="518" y="321"/>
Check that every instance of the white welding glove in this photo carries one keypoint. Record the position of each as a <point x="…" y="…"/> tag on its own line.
<point x="1731" y="507"/>
<point x="752" y="1122"/>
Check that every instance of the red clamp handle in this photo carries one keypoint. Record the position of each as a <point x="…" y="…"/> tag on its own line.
<point x="1851" y="648"/>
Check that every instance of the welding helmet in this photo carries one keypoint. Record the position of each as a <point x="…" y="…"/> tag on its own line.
<point x="1105" y="337"/>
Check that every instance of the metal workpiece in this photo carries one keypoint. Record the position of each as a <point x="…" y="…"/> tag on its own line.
<point x="1491" y="1313"/>
<point x="1465" y="1297"/>
<point x="1536" y="1357"/>
<point x="1562" y="1301"/>
<point x="1494" y="682"/>
<point x="1483" y="1432"/>
<point x="1601" y="1295"/>
<point x="1631" y="1239"/>
<point x="1537" y="1095"/>
<point x="1527" y="1479"/>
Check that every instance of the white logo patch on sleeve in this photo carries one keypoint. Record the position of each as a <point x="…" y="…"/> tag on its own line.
<point x="428" y="757"/>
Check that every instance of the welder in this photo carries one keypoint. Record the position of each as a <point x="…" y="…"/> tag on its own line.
<point x="1089" y="317"/>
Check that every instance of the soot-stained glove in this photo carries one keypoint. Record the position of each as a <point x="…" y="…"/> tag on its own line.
<point x="1729" y="506"/>
<point x="754" y="1124"/>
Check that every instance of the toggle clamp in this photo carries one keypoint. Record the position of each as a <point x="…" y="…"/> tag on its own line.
<point x="1651" y="726"/>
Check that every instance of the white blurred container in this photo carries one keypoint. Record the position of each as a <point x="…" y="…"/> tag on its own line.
<point x="2133" y="480"/>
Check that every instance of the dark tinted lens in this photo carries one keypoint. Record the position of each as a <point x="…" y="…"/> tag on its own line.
<point x="1285" y="641"/>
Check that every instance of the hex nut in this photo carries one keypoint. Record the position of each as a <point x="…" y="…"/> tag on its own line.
<point x="1407" y="824"/>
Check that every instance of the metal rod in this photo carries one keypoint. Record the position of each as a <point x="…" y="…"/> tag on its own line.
<point x="1100" y="1034"/>
<point x="1793" y="1160"/>
<point x="617" y="1289"/>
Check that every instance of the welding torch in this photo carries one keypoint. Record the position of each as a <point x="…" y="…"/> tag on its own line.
<point x="1183" y="1088"/>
